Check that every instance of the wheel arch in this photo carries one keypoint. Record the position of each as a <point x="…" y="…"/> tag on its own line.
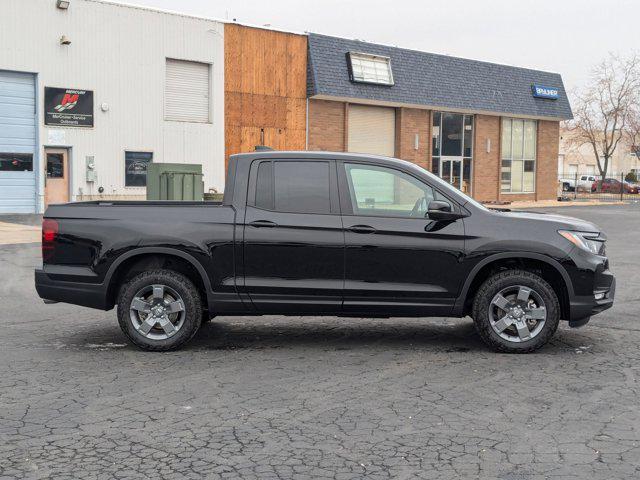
<point x="115" y="273"/>
<point x="552" y="271"/>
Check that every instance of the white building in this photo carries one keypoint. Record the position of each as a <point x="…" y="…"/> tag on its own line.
<point x="577" y="158"/>
<point x="157" y="84"/>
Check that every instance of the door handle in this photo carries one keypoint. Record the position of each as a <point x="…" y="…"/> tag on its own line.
<point x="362" y="229"/>
<point x="263" y="224"/>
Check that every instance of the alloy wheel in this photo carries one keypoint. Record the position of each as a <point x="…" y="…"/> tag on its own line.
<point x="157" y="312"/>
<point x="517" y="313"/>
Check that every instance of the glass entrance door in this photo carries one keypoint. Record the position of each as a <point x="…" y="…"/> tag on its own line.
<point x="451" y="171"/>
<point x="452" y="148"/>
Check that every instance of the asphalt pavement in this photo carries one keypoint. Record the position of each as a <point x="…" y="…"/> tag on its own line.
<point x="336" y="398"/>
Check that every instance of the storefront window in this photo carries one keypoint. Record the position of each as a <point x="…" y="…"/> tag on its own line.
<point x="136" y="168"/>
<point x="518" y="155"/>
<point x="452" y="148"/>
<point x="16" y="162"/>
<point x="468" y="136"/>
<point x="452" y="134"/>
<point x="435" y="134"/>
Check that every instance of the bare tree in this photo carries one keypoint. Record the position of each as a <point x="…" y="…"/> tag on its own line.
<point x="633" y="129"/>
<point x="603" y="110"/>
<point x="633" y="132"/>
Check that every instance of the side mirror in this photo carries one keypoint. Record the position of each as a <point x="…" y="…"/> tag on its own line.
<point x="441" y="211"/>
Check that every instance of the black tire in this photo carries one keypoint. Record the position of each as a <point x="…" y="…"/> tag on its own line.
<point x="497" y="283"/>
<point x="183" y="287"/>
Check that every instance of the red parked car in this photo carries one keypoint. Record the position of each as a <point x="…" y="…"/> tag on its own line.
<point x="611" y="185"/>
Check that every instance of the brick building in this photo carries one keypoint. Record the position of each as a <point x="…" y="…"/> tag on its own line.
<point x="491" y="130"/>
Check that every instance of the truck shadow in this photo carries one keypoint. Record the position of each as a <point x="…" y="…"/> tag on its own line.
<point x="362" y="334"/>
<point x="269" y="333"/>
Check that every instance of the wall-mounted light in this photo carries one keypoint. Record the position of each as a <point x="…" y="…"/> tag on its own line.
<point x="64" y="40"/>
<point x="62" y="4"/>
<point x="488" y="145"/>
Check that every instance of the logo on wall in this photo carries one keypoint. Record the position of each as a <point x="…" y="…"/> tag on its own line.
<point x="68" y="102"/>
<point x="67" y="107"/>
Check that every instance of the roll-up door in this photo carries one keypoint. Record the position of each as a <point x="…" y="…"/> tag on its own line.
<point x="187" y="91"/>
<point x="17" y="142"/>
<point x="372" y="130"/>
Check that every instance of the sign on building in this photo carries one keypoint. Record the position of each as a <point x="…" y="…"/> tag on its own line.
<point x="542" y="91"/>
<point x="65" y="107"/>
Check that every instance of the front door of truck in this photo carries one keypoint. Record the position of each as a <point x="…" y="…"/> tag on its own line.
<point x="293" y="238"/>
<point x="397" y="261"/>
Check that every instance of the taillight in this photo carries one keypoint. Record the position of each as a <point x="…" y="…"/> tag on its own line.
<point x="49" y="234"/>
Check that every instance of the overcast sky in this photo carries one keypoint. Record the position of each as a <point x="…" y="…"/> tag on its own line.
<point x="565" y="36"/>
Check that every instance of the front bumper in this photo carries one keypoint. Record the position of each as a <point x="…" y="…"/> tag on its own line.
<point x="583" y="307"/>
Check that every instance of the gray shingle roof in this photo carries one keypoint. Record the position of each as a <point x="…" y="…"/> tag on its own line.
<point x="434" y="80"/>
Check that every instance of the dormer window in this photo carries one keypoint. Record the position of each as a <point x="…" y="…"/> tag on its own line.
<point x="367" y="68"/>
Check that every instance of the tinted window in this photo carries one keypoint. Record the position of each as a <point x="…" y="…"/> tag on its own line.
<point x="55" y="165"/>
<point x="380" y="191"/>
<point x="16" y="162"/>
<point x="136" y="168"/>
<point x="264" y="186"/>
<point x="300" y="187"/>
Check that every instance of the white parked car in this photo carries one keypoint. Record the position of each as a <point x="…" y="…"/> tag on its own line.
<point x="585" y="182"/>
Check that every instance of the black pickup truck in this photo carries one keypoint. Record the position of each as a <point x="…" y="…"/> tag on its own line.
<point x="318" y="233"/>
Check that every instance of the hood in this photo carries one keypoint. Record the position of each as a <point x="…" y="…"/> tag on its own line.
<point x="558" y="221"/>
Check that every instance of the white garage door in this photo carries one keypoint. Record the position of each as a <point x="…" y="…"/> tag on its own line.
<point x="187" y="91"/>
<point x="372" y="130"/>
<point x="17" y="142"/>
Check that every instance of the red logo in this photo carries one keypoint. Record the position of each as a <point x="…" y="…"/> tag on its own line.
<point x="69" y="101"/>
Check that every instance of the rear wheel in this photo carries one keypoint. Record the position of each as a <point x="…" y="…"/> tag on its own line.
<point x="516" y="311"/>
<point x="159" y="310"/>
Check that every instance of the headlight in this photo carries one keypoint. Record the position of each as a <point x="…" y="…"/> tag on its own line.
<point x="589" y="241"/>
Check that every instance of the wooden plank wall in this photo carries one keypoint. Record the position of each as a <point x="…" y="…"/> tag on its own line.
<point x="265" y="80"/>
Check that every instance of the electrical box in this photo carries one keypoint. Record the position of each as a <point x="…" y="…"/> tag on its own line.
<point x="92" y="175"/>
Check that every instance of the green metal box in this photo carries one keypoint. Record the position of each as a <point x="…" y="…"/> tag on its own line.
<point x="174" y="181"/>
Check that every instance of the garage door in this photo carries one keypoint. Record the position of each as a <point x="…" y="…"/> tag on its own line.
<point x="372" y="130"/>
<point x="17" y="142"/>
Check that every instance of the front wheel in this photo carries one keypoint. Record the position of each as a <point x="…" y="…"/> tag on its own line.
<point x="159" y="310"/>
<point x="516" y="311"/>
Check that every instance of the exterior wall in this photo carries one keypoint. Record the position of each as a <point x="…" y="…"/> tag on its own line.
<point x="409" y="123"/>
<point x="327" y="125"/>
<point x="265" y="89"/>
<point x="120" y="53"/>
<point x="573" y="153"/>
<point x="328" y="131"/>
<point x="486" y="164"/>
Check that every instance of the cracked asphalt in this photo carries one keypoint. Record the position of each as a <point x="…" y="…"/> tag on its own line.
<point x="334" y="398"/>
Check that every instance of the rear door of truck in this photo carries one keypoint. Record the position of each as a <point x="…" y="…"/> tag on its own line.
<point x="293" y="237"/>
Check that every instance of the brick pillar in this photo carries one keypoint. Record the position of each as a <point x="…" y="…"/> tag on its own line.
<point x="486" y="165"/>
<point x="327" y="129"/>
<point x="548" y="146"/>
<point x="409" y="123"/>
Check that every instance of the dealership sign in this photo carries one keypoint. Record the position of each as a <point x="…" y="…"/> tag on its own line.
<point x="540" y="91"/>
<point x="65" y="107"/>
